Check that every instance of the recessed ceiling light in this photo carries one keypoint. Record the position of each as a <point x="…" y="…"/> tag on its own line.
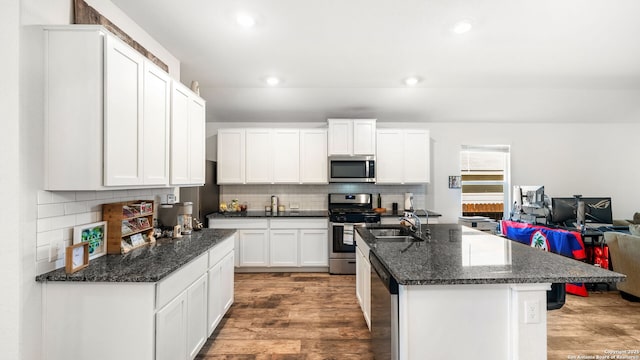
<point x="412" y="81"/>
<point x="272" y="80"/>
<point x="246" y="20"/>
<point x="462" y="26"/>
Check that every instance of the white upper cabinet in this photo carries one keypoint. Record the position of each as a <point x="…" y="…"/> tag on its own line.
<point x="390" y="156"/>
<point x="231" y="156"/>
<point x="187" y="136"/>
<point x="313" y="156"/>
<point x="272" y="156"/>
<point x="352" y="137"/>
<point x="259" y="156"/>
<point x="156" y="125"/>
<point x="403" y="156"/>
<point x="286" y="156"/>
<point x="197" y="134"/>
<point x="417" y="156"/>
<point x="122" y="114"/>
<point x="106" y="113"/>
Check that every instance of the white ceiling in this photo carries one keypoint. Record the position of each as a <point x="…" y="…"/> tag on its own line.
<point x="524" y="60"/>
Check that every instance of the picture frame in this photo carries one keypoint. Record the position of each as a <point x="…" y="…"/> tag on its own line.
<point x="455" y="182"/>
<point x="77" y="257"/>
<point x="94" y="234"/>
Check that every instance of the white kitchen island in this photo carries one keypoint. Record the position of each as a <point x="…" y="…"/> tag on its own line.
<point x="466" y="294"/>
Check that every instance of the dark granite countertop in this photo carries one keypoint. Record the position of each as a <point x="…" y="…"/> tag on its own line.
<point x="418" y="212"/>
<point x="264" y="214"/>
<point x="146" y="264"/>
<point x="459" y="255"/>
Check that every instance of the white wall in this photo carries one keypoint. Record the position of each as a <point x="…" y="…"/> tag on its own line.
<point x="10" y="255"/>
<point x="46" y="218"/>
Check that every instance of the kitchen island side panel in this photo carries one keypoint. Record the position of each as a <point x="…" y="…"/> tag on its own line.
<point x="471" y="321"/>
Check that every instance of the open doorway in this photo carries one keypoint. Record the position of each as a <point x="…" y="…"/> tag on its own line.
<point x="485" y="178"/>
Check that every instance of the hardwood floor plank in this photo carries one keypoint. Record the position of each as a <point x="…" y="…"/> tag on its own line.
<point x="313" y="316"/>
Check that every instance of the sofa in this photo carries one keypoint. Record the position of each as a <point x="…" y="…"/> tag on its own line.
<point x="624" y="250"/>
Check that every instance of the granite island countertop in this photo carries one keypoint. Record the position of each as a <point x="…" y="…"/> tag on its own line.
<point x="455" y="254"/>
<point x="269" y="215"/>
<point x="146" y="264"/>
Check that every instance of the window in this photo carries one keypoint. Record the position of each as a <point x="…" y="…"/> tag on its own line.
<point x="484" y="174"/>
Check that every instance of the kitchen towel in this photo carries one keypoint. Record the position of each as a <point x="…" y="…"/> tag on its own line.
<point x="347" y="234"/>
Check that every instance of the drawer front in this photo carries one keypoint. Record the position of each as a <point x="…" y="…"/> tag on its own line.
<point x="238" y="224"/>
<point x="221" y="250"/>
<point x="299" y="224"/>
<point x="180" y="280"/>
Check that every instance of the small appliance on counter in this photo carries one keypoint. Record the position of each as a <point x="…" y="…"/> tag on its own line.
<point x="408" y="201"/>
<point x="172" y="215"/>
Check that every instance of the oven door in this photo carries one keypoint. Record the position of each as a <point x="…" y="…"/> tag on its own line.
<point x="342" y="242"/>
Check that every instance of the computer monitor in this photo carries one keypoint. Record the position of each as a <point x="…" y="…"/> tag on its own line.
<point x="532" y="196"/>
<point x="563" y="210"/>
<point x="597" y="210"/>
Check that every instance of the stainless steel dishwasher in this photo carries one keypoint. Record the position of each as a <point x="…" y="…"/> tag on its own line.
<point x="384" y="312"/>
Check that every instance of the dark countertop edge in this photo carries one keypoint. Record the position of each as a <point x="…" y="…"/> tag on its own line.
<point x="268" y="215"/>
<point x="365" y="234"/>
<point x="513" y="281"/>
<point x="59" y="275"/>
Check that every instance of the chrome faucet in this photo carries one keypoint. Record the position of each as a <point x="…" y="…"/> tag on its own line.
<point x="417" y="225"/>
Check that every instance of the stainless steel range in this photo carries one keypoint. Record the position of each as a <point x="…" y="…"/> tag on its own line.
<point x="345" y="212"/>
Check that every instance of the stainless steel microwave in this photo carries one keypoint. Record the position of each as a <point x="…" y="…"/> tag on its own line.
<point x="352" y="169"/>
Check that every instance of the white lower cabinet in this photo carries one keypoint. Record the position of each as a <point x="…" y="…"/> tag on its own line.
<point x="180" y="325"/>
<point x="196" y="316"/>
<point x="314" y="247"/>
<point x="274" y="243"/>
<point x="220" y="289"/>
<point x="167" y="320"/>
<point x="363" y="279"/>
<point x="254" y="248"/>
<point x="171" y="325"/>
<point x="283" y="247"/>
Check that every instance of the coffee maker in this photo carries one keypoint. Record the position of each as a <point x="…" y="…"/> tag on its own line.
<point x="170" y="215"/>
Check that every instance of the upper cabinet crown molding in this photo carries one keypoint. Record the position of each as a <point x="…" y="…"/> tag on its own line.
<point x="107" y="112"/>
<point x="352" y="137"/>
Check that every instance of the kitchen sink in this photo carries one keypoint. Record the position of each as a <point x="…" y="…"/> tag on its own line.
<point x="394" y="234"/>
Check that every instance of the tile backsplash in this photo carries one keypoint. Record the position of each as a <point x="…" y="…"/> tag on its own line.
<point x="60" y="211"/>
<point x="315" y="197"/>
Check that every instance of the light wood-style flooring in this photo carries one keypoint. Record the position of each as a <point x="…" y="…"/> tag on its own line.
<point x="312" y="316"/>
